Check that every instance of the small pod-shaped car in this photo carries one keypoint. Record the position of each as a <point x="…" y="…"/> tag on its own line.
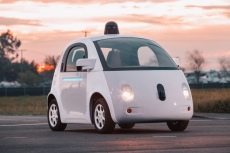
<point x="118" y="79"/>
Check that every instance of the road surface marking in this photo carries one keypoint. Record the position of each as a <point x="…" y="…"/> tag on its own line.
<point x="29" y="120"/>
<point x="4" y="119"/>
<point x="202" y="120"/>
<point x="15" y="137"/>
<point x="25" y="124"/>
<point x="164" y="136"/>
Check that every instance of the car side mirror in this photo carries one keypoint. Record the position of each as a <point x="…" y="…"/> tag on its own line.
<point x="85" y="64"/>
<point x="177" y="61"/>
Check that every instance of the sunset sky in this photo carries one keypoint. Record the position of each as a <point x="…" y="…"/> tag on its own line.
<point x="45" y="27"/>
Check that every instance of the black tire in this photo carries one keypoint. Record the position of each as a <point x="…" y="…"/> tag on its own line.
<point x="55" y="124"/>
<point x="103" y="122"/>
<point x="127" y="126"/>
<point x="178" y="126"/>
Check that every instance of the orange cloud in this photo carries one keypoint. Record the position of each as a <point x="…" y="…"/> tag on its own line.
<point x="150" y="19"/>
<point x="89" y="1"/>
<point x="224" y="9"/>
<point x="211" y="7"/>
<point x="15" y="21"/>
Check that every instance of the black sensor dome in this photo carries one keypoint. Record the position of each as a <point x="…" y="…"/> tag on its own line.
<point x="111" y="27"/>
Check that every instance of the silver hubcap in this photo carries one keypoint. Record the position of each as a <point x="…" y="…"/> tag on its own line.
<point x="53" y="115"/>
<point x="99" y="116"/>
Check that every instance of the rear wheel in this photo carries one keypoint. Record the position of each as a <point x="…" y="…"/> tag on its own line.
<point x="178" y="126"/>
<point x="127" y="126"/>
<point x="102" y="118"/>
<point x="53" y="116"/>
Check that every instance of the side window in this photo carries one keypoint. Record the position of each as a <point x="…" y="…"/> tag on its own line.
<point x="147" y="57"/>
<point x="74" y="54"/>
<point x="105" y="52"/>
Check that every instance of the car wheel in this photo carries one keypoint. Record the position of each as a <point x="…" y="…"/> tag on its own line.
<point x="53" y="116"/>
<point x="127" y="126"/>
<point x="102" y="118"/>
<point x="178" y="126"/>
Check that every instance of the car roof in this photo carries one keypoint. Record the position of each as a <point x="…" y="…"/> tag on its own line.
<point x="95" y="38"/>
<point x="100" y="37"/>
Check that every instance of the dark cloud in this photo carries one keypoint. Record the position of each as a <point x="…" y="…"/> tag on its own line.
<point x="89" y="1"/>
<point x="211" y="7"/>
<point x="15" y="21"/>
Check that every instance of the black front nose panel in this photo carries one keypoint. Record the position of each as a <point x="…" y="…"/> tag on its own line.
<point x="161" y="92"/>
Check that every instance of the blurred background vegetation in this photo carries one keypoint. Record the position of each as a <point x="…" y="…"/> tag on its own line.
<point x="211" y="100"/>
<point x="23" y="105"/>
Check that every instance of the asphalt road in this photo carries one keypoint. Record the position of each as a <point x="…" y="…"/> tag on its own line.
<point x="31" y="134"/>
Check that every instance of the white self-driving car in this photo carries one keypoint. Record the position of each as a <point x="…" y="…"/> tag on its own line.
<point x="118" y="79"/>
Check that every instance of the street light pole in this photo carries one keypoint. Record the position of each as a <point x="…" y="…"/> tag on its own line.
<point x="22" y="50"/>
<point x="86" y="32"/>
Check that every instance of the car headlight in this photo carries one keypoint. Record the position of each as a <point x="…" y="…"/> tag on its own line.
<point x="127" y="93"/>
<point x="185" y="91"/>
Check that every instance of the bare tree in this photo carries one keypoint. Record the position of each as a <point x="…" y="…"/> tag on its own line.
<point x="225" y="64"/>
<point x="52" y="60"/>
<point x="196" y="62"/>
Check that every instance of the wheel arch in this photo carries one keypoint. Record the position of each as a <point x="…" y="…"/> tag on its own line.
<point x="49" y="98"/>
<point x="93" y="99"/>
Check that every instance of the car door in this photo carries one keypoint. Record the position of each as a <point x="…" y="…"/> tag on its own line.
<point x="73" y="82"/>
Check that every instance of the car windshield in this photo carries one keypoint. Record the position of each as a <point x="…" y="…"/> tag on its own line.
<point x="131" y="52"/>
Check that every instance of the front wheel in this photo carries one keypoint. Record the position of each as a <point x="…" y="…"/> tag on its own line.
<point x="102" y="118"/>
<point x="178" y="126"/>
<point x="53" y="116"/>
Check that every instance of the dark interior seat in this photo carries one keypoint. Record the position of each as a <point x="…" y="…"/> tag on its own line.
<point x="113" y="59"/>
<point x="78" y="55"/>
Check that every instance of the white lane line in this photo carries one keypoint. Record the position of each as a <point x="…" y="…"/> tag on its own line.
<point x="25" y="124"/>
<point x="164" y="136"/>
<point x="15" y="137"/>
<point x="29" y="120"/>
<point x="202" y="120"/>
<point x="3" y="119"/>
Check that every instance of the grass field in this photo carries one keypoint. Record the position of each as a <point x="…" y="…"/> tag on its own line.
<point x="210" y="100"/>
<point x="25" y="105"/>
